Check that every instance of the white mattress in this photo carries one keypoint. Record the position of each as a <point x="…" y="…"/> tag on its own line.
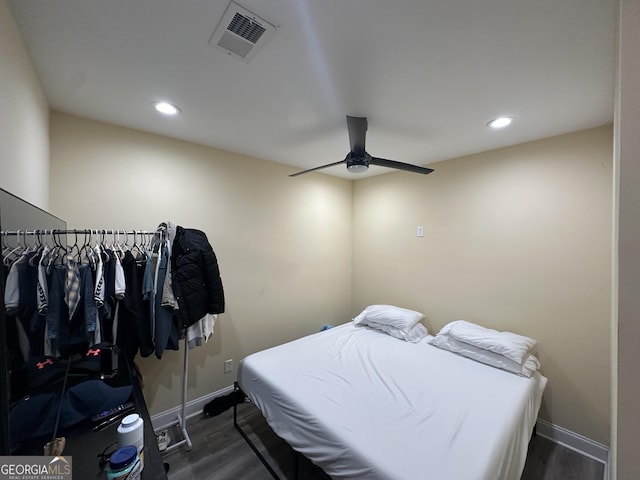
<point x="363" y="405"/>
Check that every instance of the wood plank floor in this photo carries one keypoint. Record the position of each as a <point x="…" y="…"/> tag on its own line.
<point x="220" y="453"/>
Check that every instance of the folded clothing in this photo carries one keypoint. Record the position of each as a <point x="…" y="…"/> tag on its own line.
<point x="35" y="416"/>
<point x="45" y="372"/>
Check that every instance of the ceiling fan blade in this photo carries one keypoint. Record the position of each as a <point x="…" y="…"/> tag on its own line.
<point x="357" y="127"/>
<point x="399" y="165"/>
<point x="317" y="168"/>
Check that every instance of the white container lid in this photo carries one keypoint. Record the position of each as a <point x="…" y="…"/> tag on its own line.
<point x="130" y="420"/>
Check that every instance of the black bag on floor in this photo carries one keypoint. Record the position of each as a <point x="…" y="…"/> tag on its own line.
<point x="223" y="403"/>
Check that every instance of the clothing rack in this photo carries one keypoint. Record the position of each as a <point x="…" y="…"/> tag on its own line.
<point x="181" y="420"/>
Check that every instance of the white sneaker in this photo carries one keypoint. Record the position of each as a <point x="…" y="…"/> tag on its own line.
<point x="163" y="440"/>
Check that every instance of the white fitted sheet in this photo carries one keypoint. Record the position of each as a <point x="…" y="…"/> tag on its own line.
<point x="364" y="405"/>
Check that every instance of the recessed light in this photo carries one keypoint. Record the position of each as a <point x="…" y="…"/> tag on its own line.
<point x="166" y="108"/>
<point x="500" y="122"/>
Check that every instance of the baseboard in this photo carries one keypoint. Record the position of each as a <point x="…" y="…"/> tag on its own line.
<point x="169" y="417"/>
<point x="574" y="441"/>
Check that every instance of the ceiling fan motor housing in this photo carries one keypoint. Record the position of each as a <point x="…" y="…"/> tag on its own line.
<point x="358" y="162"/>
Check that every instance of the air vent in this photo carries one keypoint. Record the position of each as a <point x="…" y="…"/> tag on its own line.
<point x="240" y="32"/>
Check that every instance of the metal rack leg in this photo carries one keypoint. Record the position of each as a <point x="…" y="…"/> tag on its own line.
<point x="185" y="384"/>
<point x="264" y="461"/>
<point x="181" y="420"/>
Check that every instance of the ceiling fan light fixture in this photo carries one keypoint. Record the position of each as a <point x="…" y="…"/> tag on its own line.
<point x="357" y="168"/>
<point x="500" y="122"/>
<point x="166" y="108"/>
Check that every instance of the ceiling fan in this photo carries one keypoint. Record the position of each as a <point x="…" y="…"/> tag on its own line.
<point x="358" y="160"/>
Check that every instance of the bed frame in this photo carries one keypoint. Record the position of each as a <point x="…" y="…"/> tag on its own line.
<point x="265" y="462"/>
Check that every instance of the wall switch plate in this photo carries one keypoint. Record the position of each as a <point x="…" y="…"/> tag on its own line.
<point x="420" y="231"/>
<point x="228" y="366"/>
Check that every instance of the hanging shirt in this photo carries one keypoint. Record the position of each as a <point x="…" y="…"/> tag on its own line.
<point x="134" y="332"/>
<point x="201" y="330"/>
<point x="98" y="291"/>
<point x="72" y="294"/>
<point x="166" y="331"/>
<point x="43" y="288"/>
<point x="71" y="333"/>
<point x="120" y="284"/>
<point x="12" y="288"/>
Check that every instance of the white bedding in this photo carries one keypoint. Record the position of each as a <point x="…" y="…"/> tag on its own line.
<point x="364" y="405"/>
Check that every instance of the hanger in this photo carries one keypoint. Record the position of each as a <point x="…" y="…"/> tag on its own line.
<point x="126" y="246"/>
<point x="86" y="250"/>
<point x="14" y="253"/>
<point x="5" y="248"/>
<point x="101" y="245"/>
<point x="4" y="243"/>
<point x="37" y="248"/>
<point x="147" y="236"/>
<point x="137" y="252"/>
<point x="56" y="250"/>
<point x="74" y="248"/>
<point x="117" y="248"/>
<point x="44" y="248"/>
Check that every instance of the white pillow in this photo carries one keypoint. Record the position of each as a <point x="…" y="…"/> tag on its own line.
<point x="513" y="346"/>
<point x="414" y="335"/>
<point x="530" y="365"/>
<point x="378" y="316"/>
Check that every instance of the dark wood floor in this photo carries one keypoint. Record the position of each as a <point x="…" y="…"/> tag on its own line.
<point x="219" y="452"/>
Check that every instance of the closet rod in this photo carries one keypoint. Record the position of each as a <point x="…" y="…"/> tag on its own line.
<point x="77" y="231"/>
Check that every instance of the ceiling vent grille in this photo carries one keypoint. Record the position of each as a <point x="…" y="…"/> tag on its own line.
<point x="240" y="32"/>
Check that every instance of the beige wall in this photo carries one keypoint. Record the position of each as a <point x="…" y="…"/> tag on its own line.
<point x="283" y="244"/>
<point x="24" y="141"/>
<point x="261" y="306"/>
<point x="626" y="385"/>
<point x="518" y="239"/>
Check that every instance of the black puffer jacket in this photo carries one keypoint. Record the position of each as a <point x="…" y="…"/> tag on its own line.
<point x="195" y="276"/>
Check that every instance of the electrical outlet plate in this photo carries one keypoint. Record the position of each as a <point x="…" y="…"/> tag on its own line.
<point x="228" y="366"/>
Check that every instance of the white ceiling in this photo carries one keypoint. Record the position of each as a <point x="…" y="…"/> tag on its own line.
<point x="428" y="74"/>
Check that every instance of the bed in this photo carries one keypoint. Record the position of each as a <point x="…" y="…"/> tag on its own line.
<point x="362" y="404"/>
